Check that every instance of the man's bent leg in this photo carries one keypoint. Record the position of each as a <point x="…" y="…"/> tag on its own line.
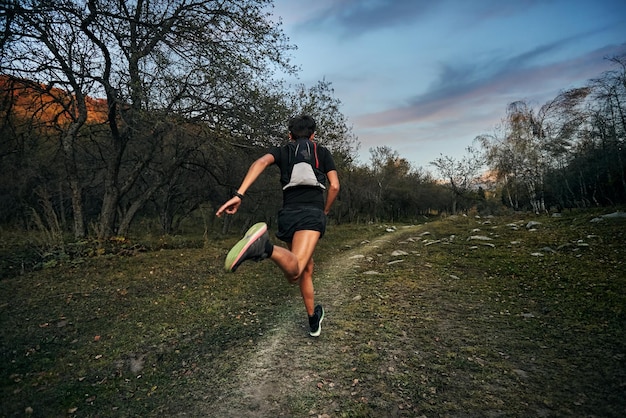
<point x="287" y="262"/>
<point x="293" y="261"/>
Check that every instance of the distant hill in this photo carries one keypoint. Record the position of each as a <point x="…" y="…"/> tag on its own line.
<point x="50" y="106"/>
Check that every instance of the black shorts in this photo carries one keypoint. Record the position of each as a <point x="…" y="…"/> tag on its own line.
<point x="293" y="219"/>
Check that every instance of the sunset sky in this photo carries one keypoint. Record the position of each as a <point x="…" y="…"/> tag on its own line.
<point x="426" y="77"/>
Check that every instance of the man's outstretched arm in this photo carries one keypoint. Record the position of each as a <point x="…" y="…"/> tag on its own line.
<point x="255" y="170"/>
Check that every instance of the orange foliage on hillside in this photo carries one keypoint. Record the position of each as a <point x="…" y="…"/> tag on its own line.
<point x="50" y="107"/>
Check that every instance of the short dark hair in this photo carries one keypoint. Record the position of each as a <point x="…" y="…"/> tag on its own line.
<point x="302" y="126"/>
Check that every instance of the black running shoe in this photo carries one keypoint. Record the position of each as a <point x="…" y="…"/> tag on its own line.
<point x="250" y="247"/>
<point x="315" y="321"/>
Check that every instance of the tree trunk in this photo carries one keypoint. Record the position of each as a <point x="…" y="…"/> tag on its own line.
<point x="69" y="153"/>
<point x="77" y="208"/>
<point x="137" y="204"/>
<point x="106" y="224"/>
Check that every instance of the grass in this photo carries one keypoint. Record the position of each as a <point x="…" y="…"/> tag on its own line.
<point x="455" y="327"/>
<point x="497" y="331"/>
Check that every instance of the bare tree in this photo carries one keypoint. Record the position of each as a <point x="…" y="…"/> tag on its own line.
<point x="608" y="122"/>
<point x="573" y="144"/>
<point x="333" y="130"/>
<point x="461" y="175"/>
<point x="202" y="60"/>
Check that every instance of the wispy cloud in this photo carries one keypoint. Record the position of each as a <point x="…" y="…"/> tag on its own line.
<point x="460" y="86"/>
<point x="352" y="18"/>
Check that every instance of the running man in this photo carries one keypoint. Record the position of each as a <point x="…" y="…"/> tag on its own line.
<point x="305" y="167"/>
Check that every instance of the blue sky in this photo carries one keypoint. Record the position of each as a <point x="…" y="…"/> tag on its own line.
<point x="426" y="77"/>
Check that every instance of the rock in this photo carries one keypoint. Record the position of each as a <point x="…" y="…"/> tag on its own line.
<point x="479" y="238"/>
<point x="613" y="215"/>
<point x="532" y="224"/>
<point x="426" y="244"/>
<point x="136" y="363"/>
<point x="617" y="214"/>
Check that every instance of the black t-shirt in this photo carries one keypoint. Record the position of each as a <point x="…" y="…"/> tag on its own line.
<point x="303" y="195"/>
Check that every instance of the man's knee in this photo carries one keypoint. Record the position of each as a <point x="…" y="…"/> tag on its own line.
<point x="292" y="276"/>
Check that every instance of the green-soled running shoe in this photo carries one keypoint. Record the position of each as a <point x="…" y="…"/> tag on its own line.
<point x="250" y="247"/>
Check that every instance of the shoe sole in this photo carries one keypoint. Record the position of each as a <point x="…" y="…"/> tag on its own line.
<point x="319" y="327"/>
<point x="239" y="249"/>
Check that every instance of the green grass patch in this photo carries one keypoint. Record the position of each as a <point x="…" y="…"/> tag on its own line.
<point x="453" y="326"/>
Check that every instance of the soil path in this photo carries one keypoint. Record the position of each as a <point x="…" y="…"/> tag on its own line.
<point x="282" y="369"/>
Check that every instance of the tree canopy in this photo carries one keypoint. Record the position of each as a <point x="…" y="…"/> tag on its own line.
<point x="155" y="64"/>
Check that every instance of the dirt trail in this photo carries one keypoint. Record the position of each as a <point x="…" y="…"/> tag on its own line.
<point x="283" y="367"/>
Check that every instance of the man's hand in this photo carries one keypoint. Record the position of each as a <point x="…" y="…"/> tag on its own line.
<point x="230" y="207"/>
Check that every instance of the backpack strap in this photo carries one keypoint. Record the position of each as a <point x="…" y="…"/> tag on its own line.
<point x="317" y="161"/>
